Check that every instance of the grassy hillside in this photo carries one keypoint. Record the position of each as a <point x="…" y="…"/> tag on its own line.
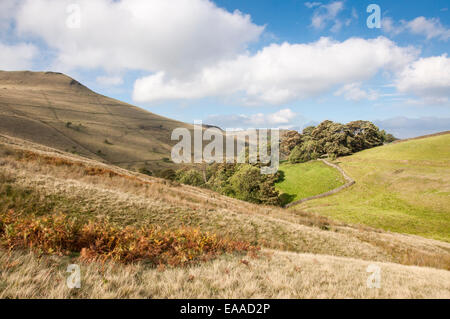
<point x="57" y="111"/>
<point x="302" y="254"/>
<point x="306" y="179"/>
<point x="276" y="275"/>
<point x="402" y="187"/>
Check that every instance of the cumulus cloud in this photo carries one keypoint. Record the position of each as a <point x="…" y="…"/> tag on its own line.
<point x="283" y="119"/>
<point x="427" y="77"/>
<point x="17" y="56"/>
<point x="354" y="92"/>
<point x="193" y="49"/>
<point x="427" y="27"/>
<point x="282" y="73"/>
<point x="177" y="36"/>
<point x="403" y="127"/>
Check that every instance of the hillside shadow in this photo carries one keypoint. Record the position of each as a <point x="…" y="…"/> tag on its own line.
<point x="287" y="198"/>
<point x="284" y="198"/>
<point x="281" y="176"/>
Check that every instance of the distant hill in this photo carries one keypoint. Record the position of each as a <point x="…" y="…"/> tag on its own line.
<point x="55" y="110"/>
<point x="402" y="187"/>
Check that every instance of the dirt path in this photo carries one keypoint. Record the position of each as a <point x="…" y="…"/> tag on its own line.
<point x="348" y="179"/>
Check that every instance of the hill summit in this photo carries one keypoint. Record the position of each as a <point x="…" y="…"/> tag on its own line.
<point x="55" y="110"/>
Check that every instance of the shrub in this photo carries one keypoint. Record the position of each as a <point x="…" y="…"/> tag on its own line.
<point x="145" y="171"/>
<point x="167" y="174"/>
<point x="190" y="177"/>
<point x="388" y="138"/>
<point x="248" y="184"/>
<point x="218" y="176"/>
<point x="100" y="241"/>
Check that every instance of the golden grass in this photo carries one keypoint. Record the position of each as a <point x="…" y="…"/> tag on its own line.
<point x="38" y="186"/>
<point x="39" y="106"/>
<point x="273" y="275"/>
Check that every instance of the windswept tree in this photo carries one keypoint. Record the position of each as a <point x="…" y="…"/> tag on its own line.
<point x="364" y="135"/>
<point x="289" y="140"/>
<point x="336" y="139"/>
<point x="304" y="152"/>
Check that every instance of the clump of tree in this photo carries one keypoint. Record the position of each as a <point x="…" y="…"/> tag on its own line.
<point x="241" y="181"/>
<point x="289" y="140"/>
<point x="304" y="152"/>
<point x="336" y="139"/>
<point x="245" y="182"/>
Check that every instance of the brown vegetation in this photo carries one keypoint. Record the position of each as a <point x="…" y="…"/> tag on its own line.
<point x="61" y="235"/>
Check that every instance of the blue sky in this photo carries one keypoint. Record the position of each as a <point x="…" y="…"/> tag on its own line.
<point x="246" y="63"/>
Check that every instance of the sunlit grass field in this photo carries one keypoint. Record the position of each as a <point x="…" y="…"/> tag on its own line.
<point x="307" y="179"/>
<point x="402" y="187"/>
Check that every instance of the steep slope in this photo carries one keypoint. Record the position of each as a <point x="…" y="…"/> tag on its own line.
<point x="303" y="255"/>
<point x="402" y="187"/>
<point x="55" y="110"/>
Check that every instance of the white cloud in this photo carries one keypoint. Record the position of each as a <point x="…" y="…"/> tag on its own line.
<point x="177" y="36"/>
<point x="427" y="77"/>
<point x="353" y="92"/>
<point x="326" y="13"/>
<point x="109" y="80"/>
<point x="311" y="5"/>
<point x="428" y="27"/>
<point x="282" y="73"/>
<point x="431" y="28"/>
<point x="283" y="119"/>
<point x="388" y="26"/>
<point x="7" y="9"/>
<point x="17" y="56"/>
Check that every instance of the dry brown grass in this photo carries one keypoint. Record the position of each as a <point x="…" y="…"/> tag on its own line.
<point x="39" y="106"/>
<point x="125" y="198"/>
<point x="274" y="275"/>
